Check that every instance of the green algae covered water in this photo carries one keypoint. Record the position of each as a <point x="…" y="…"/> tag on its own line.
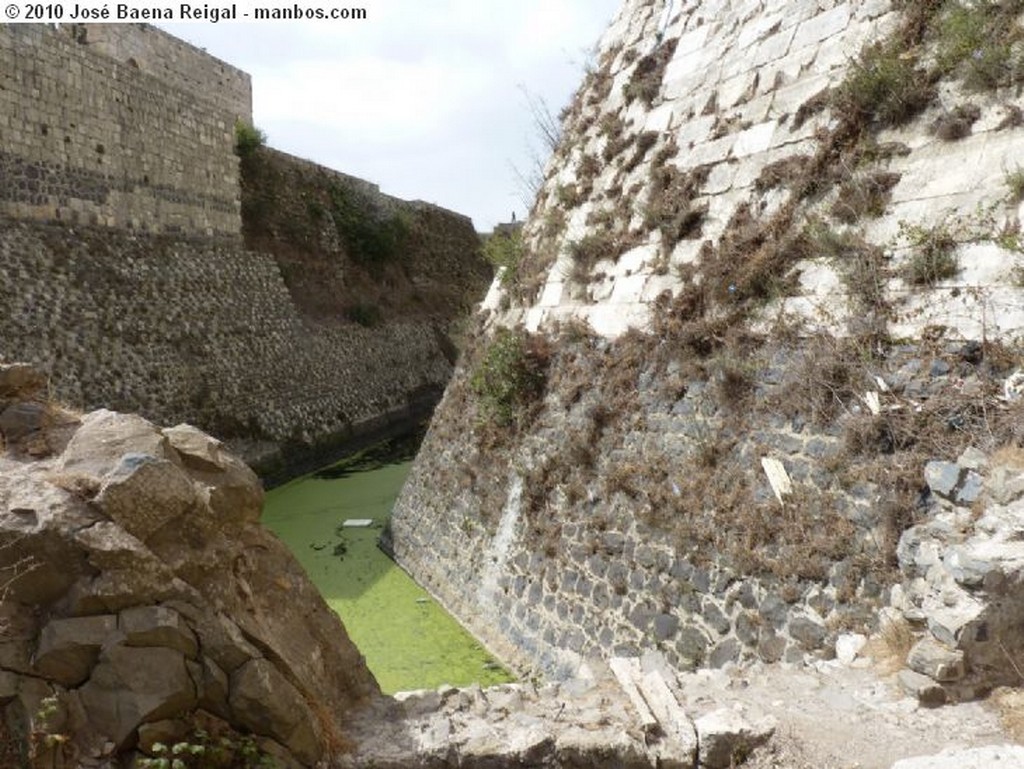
<point x="408" y="640"/>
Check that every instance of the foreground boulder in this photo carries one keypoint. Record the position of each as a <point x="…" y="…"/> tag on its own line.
<point x="141" y="602"/>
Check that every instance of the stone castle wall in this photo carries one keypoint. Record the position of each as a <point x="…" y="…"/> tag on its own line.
<point x="87" y="139"/>
<point x="201" y="331"/>
<point x="175" y="62"/>
<point x="700" y="306"/>
<point x="126" y="275"/>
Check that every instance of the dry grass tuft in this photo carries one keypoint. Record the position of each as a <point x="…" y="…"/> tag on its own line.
<point x="645" y="82"/>
<point x="864" y="195"/>
<point x="1008" y="455"/>
<point x="891" y="645"/>
<point x="1009" y="704"/>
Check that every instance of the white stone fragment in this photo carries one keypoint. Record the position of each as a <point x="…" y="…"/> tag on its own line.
<point x="777" y="477"/>
<point x="871" y="400"/>
<point x="848" y="646"/>
<point x="724" y="733"/>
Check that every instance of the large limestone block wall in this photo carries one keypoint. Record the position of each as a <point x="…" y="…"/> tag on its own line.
<point x="174" y="61"/>
<point x="730" y="96"/>
<point x="723" y="376"/>
<point x="88" y="139"/>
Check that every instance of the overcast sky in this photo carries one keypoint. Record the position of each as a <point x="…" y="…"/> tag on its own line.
<point x="423" y="97"/>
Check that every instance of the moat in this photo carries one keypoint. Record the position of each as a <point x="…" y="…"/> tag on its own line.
<point x="409" y="641"/>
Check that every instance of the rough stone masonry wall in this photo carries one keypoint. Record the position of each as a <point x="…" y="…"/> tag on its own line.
<point x="201" y="331"/>
<point x="628" y="508"/>
<point x="87" y="139"/>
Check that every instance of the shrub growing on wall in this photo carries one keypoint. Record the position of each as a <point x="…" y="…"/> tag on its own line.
<point x="372" y="236"/>
<point x="248" y="138"/>
<point x="505" y="250"/>
<point x="511" y="377"/>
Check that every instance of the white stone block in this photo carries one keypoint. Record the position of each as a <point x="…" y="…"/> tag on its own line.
<point x="848" y="646"/>
<point x="551" y="296"/>
<point x="968" y="314"/>
<point x="635" y="114"/>
<point x="755" y="139"/>
<point x="872" y="9"/>
<point x="944" y="168"/>
<point x="659" y="119"/>
<point x="685" y="252"/>
<point x="720" y="179"/>
<point x="714" y="151"/>
<point x="688" y="55"/>
<point x="820" y="315"/>
<point x="601" y="289"/>
<point x="577" y="225"/>
<point x="774" y="47"/>
<point x="821" y="27"/>
<point x="695" y="130"/>
<point x="802" y="139"/>
<point x="613" y="320"/>
<point x="635" y="259"/>
<point x="986" y="264"/>
<point x="494" y="294"/>
<point x="757" y="109"/>
<point x="735" y="88"/>
<point x="657" y="285"/>
<point x="532" y="320"/>
<point x="794" y="12"/>
<point x="629" y="289"/>
<point x="758" y="29"/>
<point x="819" y="277"/>
<point x="831" y="57"/>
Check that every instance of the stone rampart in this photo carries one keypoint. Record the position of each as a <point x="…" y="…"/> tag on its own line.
<point x="87" y="139"/>
<point x="773" y="272"/>
<point x="174" y="61"/>
<point x="201" y="331"/>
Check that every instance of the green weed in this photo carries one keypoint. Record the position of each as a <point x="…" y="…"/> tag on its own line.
<point x="933" y="256"/>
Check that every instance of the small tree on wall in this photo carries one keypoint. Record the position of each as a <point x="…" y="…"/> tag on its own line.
<point x="248" y="138"/>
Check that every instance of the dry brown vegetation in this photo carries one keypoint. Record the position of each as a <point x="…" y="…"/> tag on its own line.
<point x="645" y="82"/>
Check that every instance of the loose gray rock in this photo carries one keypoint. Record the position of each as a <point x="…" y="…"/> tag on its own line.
<point x="158" y="626"/>
<point x="726" y="738"/>
<point x="20" y="380"/>
<point x="264" y="701"/>
<point x="68" y="648"/>
<point x="943" y="477"/>
<point x="808" y="631"/>
<point x="970" y="489"/>
<point x="928" y="692"/>
<point x="146" y="549"/>
<point x="937" y="661"/>
<point x="130" y="687"/>
<point x="21" y="419"/>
